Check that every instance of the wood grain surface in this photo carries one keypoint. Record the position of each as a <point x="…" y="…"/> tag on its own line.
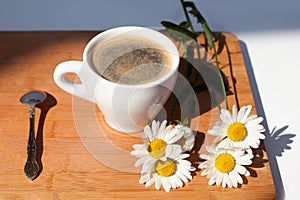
<point x="81" y="157"/>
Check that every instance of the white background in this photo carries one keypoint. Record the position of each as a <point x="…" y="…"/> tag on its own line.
<point x="270" y="38"/>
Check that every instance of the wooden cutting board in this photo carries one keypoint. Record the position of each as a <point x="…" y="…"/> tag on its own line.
<point x="77" y="162"/>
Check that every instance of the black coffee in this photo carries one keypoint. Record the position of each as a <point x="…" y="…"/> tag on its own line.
<point x="131" y="60"/>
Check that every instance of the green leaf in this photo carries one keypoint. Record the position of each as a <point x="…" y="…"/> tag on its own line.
<point x="175" y="27"/>
<point x="194" y="11"/>
<point x="197" y="14"/>
<point x="200" y="19"/>
<point x="184" y="24"/>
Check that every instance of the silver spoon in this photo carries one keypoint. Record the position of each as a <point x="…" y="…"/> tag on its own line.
<point x="32" y="98"/>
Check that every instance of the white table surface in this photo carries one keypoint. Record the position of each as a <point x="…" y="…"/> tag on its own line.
<point x="274" y="60"/>
<point x="270" y="38"/>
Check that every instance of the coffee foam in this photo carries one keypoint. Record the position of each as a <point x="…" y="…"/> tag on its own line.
<point x="131" y="60"/>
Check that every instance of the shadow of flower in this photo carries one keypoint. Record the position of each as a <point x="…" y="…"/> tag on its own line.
<point x="279" y="142"/>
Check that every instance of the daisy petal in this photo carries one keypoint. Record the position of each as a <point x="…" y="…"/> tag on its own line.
<point x="254" y="121"/>
<point x="138" y="146"/>
<point x="139" y="153"/>
<point x="179" y="183"/>
<point x="143" y="179"/>
<point x="162" y="127"/>
<point x="175" y="137"/>
<point x="158" y="182"/>
<point x="233" y="179"/>
<point x="250" y="118"/>
<point x="182" y="177"/>
<point x="147" y="133"/>
<point x="224" y="181"/>
<point x="204" y="156"/>
<point x="238" y="178"/>
<point x="173" y="151"/>
<point x="173" y="182"/>
<point x="228" y="180"/>
<point x="228" y="117"/>
<point x="262" y="136"/>
<point x="204" y="172"/>
<point x="211" y="181"/>
<point x="219" y="179"/>
<point x="244" y="114"/>
<point x="154" y="127"/>
<point x="148" y="165"/>
<point x="141" y="161"/>
<point x="166" y="185"/>
<point x="183" y="156"/>
<point x="234" y="113"/>
<point x="241" y="169"/>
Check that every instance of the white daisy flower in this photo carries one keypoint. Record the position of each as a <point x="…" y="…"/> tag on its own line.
<point x="225" y="166"/>
<point x="187" y="140"/>
<point x="172" y="173"/>
<point x="237" y="129"/>
<point x="159" y="144"/>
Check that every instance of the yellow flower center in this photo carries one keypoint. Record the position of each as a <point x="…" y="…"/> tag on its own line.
<point x="157" y="148"/>
<point x="166" y="168"/>
<point x="236" y="132"/>
<point x="225" y="162"/>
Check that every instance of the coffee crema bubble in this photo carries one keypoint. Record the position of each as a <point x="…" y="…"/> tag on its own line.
<point x="131" y="60"/>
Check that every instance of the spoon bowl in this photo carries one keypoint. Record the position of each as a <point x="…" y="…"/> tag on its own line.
<point x="33" y="97"/>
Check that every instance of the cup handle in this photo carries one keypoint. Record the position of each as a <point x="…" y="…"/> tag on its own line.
<point x="76" y="89"/>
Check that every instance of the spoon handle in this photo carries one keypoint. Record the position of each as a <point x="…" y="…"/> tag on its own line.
<point x="31" y="167"/>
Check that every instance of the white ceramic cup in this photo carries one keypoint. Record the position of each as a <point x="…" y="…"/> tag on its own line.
<point x="126" y="108"/>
